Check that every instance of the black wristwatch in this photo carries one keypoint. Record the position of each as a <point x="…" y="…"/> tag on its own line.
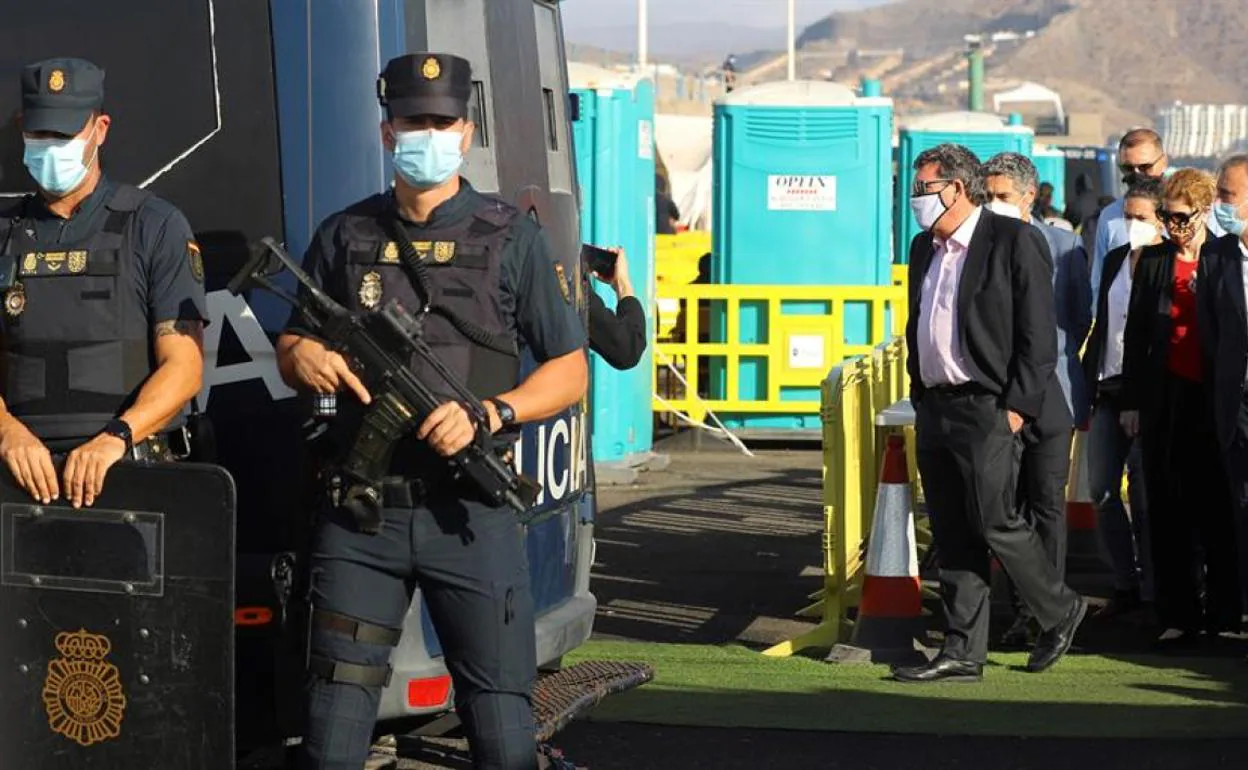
<point x="506" y="415"/>
<point x="118" y="427"/>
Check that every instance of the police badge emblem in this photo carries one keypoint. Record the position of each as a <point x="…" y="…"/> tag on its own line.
<point x="82" y="694"/>
<point x="196" y="259"/>
<point x="431" y="69"/>
<point x="56" y="81"/>
<point x="370" y="290"/>
<point x="443" y="252"/>
<point x="30" y="264"/>
<point x="77" y="261"/>
<point x="15" y="300"/>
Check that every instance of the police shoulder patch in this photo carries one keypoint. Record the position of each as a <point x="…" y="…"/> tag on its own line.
<point x="196" y="259"/>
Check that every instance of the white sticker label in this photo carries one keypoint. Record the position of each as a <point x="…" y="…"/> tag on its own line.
<point x="801" y="193"/>
<point x="645" y="140"/>
<point x="806" y="351"/>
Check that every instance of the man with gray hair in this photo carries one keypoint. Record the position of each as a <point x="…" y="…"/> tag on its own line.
<point x="981" y="354"/>
<point x="1012" y="180"/>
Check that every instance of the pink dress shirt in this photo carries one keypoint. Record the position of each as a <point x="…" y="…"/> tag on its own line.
<point x="940" y="348"/>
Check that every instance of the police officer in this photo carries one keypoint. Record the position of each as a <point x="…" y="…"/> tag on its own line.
<point x="483" y="271"/>
<point x="103" y="326"/>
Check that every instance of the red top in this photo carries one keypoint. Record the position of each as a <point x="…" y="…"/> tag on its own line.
<point x="1184" y="356"/>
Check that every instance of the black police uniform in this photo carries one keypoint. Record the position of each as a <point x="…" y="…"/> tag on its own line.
<point x="76" y="326"/>
<point x="485" y="264"/>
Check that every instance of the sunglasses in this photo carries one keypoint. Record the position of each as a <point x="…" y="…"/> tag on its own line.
<point x="1178" y="218"/>
<point x="1140" y="168"/>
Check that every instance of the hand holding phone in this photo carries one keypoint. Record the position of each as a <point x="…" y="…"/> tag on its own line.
<point x="600" y="261"/>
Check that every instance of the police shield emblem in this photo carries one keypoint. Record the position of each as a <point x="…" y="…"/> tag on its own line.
<point x="431" y="69"/>
<point x="443" y="252"/>
<point x="15" y="300"/>
<point x="563" y="282"/>
<point x="196" y="258"/>
<point x="370" y="290"/>
<point x="56" y="81"/>
<point x="77" y="261"/>
<point x="120" y="614"/>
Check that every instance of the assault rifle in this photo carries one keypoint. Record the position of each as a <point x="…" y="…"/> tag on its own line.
<point x="381" y="344"/>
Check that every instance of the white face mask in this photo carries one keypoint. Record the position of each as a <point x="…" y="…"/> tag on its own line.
<point x="1140" y="234"/>
<point x="1005" y="209"/>
<point x="927" y="209"/>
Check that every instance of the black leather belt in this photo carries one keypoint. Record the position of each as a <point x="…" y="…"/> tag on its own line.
<point x="413" y="493"/>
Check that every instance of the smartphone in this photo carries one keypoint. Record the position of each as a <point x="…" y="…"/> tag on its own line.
<point x="599" y="260"/>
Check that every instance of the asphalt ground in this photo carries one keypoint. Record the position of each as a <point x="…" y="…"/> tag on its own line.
<point x="721" y="548"/>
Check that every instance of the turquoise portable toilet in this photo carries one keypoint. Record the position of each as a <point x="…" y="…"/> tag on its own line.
<point x="983" y="133"/>
<point x="613" y="138"/>
<point x="802" y="196"/>
<point x="1051" y="165"/>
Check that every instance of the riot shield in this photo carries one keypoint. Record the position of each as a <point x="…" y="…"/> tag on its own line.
<point x="117" y="624"/>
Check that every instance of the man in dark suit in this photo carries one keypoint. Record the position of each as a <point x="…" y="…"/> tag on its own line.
<point x="1222" y="313"/>
<point x="1012" y="180"/>
<point x="981" y="355"/>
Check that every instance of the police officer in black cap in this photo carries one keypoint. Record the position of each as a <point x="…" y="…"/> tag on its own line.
<point x="484" y="272"/>
<point x="104" y="325"/>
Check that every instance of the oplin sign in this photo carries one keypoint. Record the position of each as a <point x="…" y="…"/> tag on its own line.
<point x="801" y="193"/>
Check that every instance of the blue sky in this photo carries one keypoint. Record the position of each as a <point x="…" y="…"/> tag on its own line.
<point x="766" y="14"/>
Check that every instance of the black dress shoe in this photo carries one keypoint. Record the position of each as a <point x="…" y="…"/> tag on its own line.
<point x="1055" y="642"/>
<point x="942" y="669"/>
<point x="1020" y="635"/>
<point x="1121" y="603"/>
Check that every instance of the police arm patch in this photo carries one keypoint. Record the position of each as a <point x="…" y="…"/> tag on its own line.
<point x="563" y="283"/>
<point x="196" y="258"/>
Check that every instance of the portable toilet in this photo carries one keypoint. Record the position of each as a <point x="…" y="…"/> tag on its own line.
<point x="802" y="180"/>
<point x="1051" y="165"/>
<point x="982" y="133"/>
<point x="614" y="148"/>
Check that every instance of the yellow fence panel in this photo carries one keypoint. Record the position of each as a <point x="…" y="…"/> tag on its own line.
<point x="789" y="363"/>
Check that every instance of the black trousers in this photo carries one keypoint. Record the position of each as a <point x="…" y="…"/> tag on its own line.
<point x="968" y="460"/>
<point x="1237" y="474"/>
<point x="470" y="563"/>
<point x="1040" y="499"/>
<point x="1189" y="509"/>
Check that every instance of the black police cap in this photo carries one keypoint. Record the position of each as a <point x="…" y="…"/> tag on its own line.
<point x="426" y="83"/>
<point x="60" y="94"/>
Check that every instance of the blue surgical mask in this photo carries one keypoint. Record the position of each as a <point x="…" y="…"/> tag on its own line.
<point x="56" y="164"/>
<point x="1228" y="218"/>
<point x="427" y="158"/>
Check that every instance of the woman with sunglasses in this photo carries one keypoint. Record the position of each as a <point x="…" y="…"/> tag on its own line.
<point x="1163" y="401"/>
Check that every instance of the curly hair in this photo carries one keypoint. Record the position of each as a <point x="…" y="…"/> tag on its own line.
<point x="1194" y="187"/>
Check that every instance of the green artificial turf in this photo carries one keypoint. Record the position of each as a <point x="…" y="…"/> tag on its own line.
<point x="1082" y="696"/>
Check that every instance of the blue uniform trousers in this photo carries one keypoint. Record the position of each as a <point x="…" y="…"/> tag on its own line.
<point x="469" y="561"/>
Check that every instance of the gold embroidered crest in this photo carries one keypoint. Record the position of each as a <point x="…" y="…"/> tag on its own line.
<point x="30" y="264"/>
<point x="431" y="69"/>
<point x="56" y="81"/>
<point x="390" y="254"/>
<point x="443" y="252"/>
<point x="563" y="282"/>
<point x="83" y="695"/>
<point x="15" y="300"/>
<point x="54" y="260"/>
<point x="77" y="261"/>
<point x="370" y="290"/>
<point x="196" y="259"/>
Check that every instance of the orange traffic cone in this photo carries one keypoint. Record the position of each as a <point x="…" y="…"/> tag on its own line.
<point x="891" y="608"/>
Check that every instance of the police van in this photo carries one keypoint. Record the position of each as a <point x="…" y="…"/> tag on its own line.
<point x="259" y="119"/>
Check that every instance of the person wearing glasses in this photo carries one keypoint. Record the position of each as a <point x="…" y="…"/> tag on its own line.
<point x="982" y="359"/>
<point x="1165" y="403"/>
<point x="1140" y="156"/>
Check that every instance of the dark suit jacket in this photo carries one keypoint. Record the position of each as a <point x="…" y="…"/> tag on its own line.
<point x="1146" y="341"/>
<point x="1095" y="350"/>
<point x="1223" y="322"/>
<point x="1005" y="313"/>
<point x="619" y="337"/>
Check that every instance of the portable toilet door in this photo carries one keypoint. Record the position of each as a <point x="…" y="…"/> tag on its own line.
<point x="802" y="197"/>
<point x="982" y="133"/>
<point x="1051" y="166"/>
<point x="615" y="165"/>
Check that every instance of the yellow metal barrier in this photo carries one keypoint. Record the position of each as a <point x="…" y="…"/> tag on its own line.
<point x="676" y="259"/>
<point x="852" y="395"/>
<point x="797" y="349"/>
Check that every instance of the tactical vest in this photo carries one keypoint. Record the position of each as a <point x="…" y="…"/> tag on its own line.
<point x="75" y="338"/>
<point x="461" y="267"/>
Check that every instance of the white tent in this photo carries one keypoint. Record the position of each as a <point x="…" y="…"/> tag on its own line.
<point x="1030" y="93"/>
<point x="684" y="143"/>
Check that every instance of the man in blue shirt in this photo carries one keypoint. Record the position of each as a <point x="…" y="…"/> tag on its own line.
<point x="1140" y="154"/>
<point x="1012" y="181"/>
